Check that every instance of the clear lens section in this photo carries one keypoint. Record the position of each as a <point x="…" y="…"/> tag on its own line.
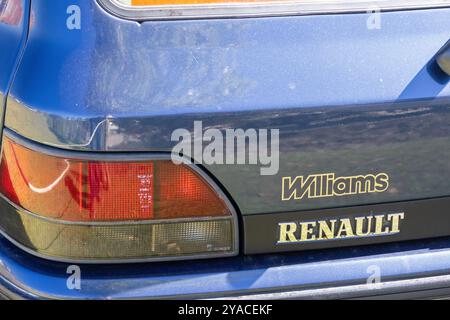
<point x="110" y="210"/>
<point x="118" y="242"/>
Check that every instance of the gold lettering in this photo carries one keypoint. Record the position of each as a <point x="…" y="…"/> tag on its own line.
<point x="287" y="231"/>
<point x="360" y="225"/>
<point x="328" y="185"/>
<point x="395" y="221"/>
<point x="382" y="182"/>
<point x="383" y="224"/>
<point x="306" y="230"/>
<point x="346" y="226"/>
<point x="325" y="231"/>
<point x="379" y="225"/>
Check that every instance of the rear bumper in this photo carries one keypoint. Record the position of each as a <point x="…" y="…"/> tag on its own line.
<point x="415" y="288"/>
<point x="418" y="269"/>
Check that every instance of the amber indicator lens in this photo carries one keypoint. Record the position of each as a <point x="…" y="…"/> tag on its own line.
<point x="86" y="209"/>
<point x="75" y="190"/>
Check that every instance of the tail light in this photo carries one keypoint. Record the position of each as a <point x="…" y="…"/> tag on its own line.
<point x="176" y="9"/>
<point x="78" y="209"/>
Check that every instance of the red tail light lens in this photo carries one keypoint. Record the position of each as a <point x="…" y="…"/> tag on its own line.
<point x="147" y="196"/>
<point x="80" y="190"/>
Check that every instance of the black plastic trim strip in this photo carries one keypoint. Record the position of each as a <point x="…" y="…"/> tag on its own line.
<point x="423" y="219"/>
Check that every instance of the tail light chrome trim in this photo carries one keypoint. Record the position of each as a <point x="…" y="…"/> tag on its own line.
<point x="12" y="212"/>
<point x="262" y="8"/>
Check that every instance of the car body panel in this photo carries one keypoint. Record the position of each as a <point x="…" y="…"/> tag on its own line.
<point x="33" y="277"/>
<point x="14" y="17"/>
<point x="336" y="87"/>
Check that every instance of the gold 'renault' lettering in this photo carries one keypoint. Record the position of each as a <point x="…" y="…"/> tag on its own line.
<point x="344" y="228"/>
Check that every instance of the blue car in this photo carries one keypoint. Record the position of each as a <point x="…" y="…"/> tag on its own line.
<point x="224" y="149"/>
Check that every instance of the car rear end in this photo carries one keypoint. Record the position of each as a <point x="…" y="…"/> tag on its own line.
<point x="211" y="149"/>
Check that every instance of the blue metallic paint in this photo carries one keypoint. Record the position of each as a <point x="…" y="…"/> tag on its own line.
<point x="222" y="277"/>
<point x="13" y="33"/>
<point x="327" y="82"/>
<point x="121" y="69"/>
<point x="12" y="36"/>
